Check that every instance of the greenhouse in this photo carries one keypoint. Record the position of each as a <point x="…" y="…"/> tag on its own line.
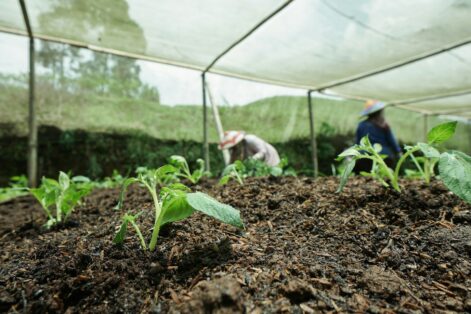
<point x="296" y="156"/>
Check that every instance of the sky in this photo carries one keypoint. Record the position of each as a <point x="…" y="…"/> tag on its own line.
<point x="176" y="85"/>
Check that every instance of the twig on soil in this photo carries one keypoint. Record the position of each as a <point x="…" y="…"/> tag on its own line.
<point x="443" y="288"/>
<point x="445" y="224"/>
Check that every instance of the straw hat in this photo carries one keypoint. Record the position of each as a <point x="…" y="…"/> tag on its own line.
<point x="372" y="106"/>
<point x="231" y="138"/>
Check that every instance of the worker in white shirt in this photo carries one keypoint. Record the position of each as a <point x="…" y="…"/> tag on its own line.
<point x="242" y="146"/>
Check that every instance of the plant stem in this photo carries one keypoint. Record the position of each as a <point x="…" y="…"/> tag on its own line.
<point x="423" y="172"/>
<point x="401" y="161"/>
<point x="58" y="209"/>
<point x="158" y="211"/>
<point x="389" y="173"/>
<point x="139" y="234"/>
<point x="427" y="164"/>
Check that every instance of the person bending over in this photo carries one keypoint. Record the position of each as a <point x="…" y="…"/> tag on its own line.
<point x="243" y="146"/>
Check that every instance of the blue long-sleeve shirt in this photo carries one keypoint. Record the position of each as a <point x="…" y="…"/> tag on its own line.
<point x="376" y="134"/>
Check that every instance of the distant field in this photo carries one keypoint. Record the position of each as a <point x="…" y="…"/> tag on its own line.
<point x="276" y="119"/>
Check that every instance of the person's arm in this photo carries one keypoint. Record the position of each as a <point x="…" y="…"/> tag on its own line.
<point x="256" y="146"/>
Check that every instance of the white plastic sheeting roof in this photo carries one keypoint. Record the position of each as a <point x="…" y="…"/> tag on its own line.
<point x="398" y="51"/>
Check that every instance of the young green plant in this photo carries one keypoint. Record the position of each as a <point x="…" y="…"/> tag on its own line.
<point x="183" y="170"/>
<point x="379" y="171"/>
<point x="426" y="164"/>
<point x="233" y="171"/>
<point x="173" y="202"/>
<point x="63" y="195"/>
<point x="454" y="166"/>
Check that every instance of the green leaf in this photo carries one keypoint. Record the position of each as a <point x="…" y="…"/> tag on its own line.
<point x="352" y="151"/>
<point x="119" y="237"/>
<point x="208" y="205"/>
<point x="428" y="150"/>
<point x="80" y="179"/>
<point x="165" y="170"/>
<point x="72" y="196"/>
<point x="175" y="208"/>
<point x="141" y="170"/>
<point x="276" y="171"/>
<point x="178" y="160"/>
<point x="365" y="141"/>
<point x="64" y="181"/>
<point x="346" y="173"/>
<point x="441" y="132"/>
<point x="224" y="180"/>
<point x="455" y="172"/>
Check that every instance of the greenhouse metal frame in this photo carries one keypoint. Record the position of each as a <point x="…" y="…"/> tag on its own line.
<point x="301" y="78"/>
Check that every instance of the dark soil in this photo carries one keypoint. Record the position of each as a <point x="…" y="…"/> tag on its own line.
<point x="305" y="250"/>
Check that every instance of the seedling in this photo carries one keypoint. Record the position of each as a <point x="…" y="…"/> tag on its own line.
<point x="379" y="171"/>
<point x="258" y="168"/>
<point x="173" y="203"/>
<point x="250" y="167"/>
<point x="63" y="194"/>
<point x="183" y="170"/>
<point x="233" y="171"/>
<point x="454" y="166"/>
<point x="431" y="156"/>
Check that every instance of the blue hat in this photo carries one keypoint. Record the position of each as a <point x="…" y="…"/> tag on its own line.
<point x="372" y="106"/>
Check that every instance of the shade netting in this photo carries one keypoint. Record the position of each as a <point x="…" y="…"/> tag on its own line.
<point x="313" y="44"/>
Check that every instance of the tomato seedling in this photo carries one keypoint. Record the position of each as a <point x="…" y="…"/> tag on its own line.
<point x="63" y="194"/>
<point x="173" y="202"/>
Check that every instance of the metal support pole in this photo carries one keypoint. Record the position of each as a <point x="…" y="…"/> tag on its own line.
<point x="32" y="125"/>
<point x="205" y="124"/>
<point x="313" y="135"/>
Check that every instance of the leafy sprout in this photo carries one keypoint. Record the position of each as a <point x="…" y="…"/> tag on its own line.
<point x="172" y="202"/>
<point x="454" y="166"/>
<point x="183" y="170"/>
<point x="62" y="195"/>
<point x="250" y="167"/>
<point x="379" y="171"/>
<point x="233" y="171"/>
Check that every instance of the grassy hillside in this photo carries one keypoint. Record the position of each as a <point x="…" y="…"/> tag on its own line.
<point x="277" y="119"/>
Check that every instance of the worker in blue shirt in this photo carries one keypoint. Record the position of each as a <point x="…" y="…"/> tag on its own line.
<point x="378" y="131"/>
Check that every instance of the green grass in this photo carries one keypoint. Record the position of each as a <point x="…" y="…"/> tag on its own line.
<point x="276" y="119"/>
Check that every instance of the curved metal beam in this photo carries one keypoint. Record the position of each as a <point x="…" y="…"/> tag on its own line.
<point x="434" y="97"/>
<point x="396" y="65"/>
<point x="250" y="32"/>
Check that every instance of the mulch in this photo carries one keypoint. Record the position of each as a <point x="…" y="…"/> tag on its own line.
<point x="305" y="249"/>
